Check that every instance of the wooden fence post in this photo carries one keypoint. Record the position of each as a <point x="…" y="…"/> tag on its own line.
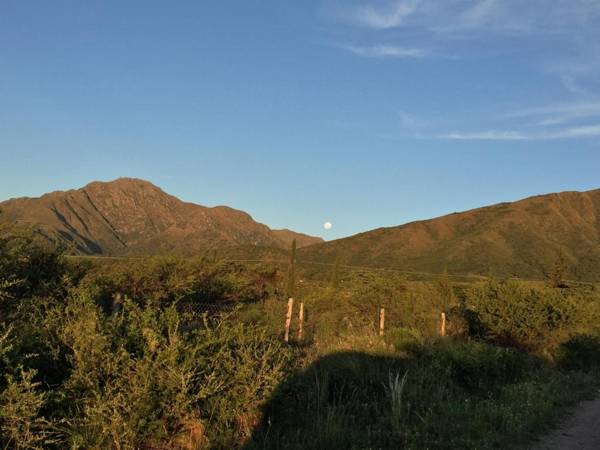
<point x="288" y="320"/>
<point x="443" y="325"/>
<point x="381" y="320"/>
<point x="117" y="304"/>
<point x="301" y="321"/>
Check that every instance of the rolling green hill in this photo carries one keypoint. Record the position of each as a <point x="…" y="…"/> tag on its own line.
<point x="522" y="239"/>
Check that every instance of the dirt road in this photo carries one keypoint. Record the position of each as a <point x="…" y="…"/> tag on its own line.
<point x="579" y="431"/>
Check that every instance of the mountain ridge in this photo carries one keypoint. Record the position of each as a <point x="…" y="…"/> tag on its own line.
<point x="129" y="216"/>
<point x="522" y="238"/>
<point x="133" y="216"/>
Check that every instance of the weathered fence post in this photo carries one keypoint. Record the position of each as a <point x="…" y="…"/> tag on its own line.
<point x="381" y="320"/>
<point x="117" y="304"/>
<point x="288" y="320"/>
<point x="301" y="321"/>
<point x="443" y="325"/>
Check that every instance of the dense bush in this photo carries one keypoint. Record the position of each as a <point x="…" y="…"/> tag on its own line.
<point x="582" y="351"/>
<point x="173" y="279"/>
<point x="29" y="266"/>
<point x="531" y="318"/>
<point x="76" y="375"/>
<point x="135" y="379"/>
<point x="475" y="366"/>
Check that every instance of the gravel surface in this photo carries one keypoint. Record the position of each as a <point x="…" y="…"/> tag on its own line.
<point x="579" y="431"/>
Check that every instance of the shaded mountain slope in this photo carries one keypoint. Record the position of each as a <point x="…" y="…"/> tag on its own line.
<point x="131" y="216"/>
<point x="522" y="239"/>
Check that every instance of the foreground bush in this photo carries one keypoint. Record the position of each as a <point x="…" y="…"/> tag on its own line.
<point x="135" y="379"/>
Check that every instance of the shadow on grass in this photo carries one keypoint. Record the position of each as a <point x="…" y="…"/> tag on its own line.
<point x="580" y="352"/>
<point x="446" y="395"/>
<point x="337" y="402"/>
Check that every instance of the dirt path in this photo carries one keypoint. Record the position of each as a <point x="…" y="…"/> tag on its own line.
<point x="580" y="431"/>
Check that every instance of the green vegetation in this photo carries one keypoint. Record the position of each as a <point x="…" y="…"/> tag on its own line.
<point x="169" y="353"/>
<point x="521" y="239"/>
<point x="559" y="272"/>
<point x="291" y="281"/>
<point x="444" y="395"/>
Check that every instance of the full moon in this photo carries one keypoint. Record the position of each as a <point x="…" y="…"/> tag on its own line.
<point x="327" y="225"/>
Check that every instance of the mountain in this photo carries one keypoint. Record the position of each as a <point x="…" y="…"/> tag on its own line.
<point x="286" y="237"/>
<point x="132" y="216"/>
<point x="523" y="239"/>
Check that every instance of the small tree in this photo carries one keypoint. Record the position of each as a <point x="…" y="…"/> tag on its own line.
<point x="446" y="293"/>
<point x="559" y="272"/>
<point x="291" y="282"/>
<point x="335" y="276"/>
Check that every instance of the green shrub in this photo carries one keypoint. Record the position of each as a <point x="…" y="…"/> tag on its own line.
<point x="20" y="421"/>
<point x="476" y="366"/>
<point x="172" y="279"/>
<point x="29" y="266"/>
<point x="581" y="352"/>
<point x="529" y="318"/>
<point x="135" y="379"/>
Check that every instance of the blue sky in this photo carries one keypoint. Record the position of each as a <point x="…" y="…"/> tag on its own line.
<point x="362" y="113"/>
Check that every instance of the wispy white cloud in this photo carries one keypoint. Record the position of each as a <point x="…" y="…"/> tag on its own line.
<point x="453" y="15"/>
<point x="511" y="135"/>
<point x="410" y="121"/>
<point x="385" y="51"/>
<point x="579" y="108"/>
<point x="391" y="15"/>
<point x="581" y="65"/>
<point x="480" y="14"/>
<point x="585" y="131"/>
<point x="577" y="120"/>
<point x="570" y="83"/>
<point x="559" y="38"/>
<point x="491" y="135"/>
<point x="557" y="114"/>
<point x="438" y="25"/>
